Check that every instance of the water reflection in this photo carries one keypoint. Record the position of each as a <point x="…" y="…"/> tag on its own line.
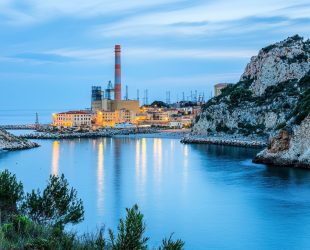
<point x="185" y="164"/>
<point x="217" y="189"/>
<point x="55" y="158"/>
<point x="117" y="168"/>
<point x="157" y="155"/>
<point x="100" y="179"/>
<point x="143" y="159"/>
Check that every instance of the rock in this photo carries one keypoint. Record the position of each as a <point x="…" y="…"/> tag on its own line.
<point x="289" y="149"/>
<point x="11" y="142"/>
<point x="271" y="100"/>
<point x="282" y="61"/>
<point x="280" y="142"/>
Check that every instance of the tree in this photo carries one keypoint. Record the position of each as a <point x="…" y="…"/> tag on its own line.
<point x="11" y="192"/>
<point x="130" y="232"/>
<point x="160" y="104"/>
<point x="169" y="244"/>
<point x="58" y="205"/>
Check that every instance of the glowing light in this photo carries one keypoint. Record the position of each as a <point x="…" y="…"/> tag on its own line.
<point x="55" y="158"/>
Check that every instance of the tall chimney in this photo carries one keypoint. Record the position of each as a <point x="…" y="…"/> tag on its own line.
<point x="118" y="83"/>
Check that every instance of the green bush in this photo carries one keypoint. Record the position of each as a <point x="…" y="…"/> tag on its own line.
<point x="58" y="205"/>
<point x="302" y="109"/>
<point x="169" y="244"/>
<point x="11" y="192"/>
<point x="41" y="228"/>
<point x="130" y="232"/>
<point x="268" y="48"/>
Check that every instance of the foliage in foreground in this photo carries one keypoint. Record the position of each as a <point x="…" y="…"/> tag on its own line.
<point x="37" y="220"/>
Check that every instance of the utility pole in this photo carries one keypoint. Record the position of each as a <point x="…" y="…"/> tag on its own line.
<point x="37" y="124"/>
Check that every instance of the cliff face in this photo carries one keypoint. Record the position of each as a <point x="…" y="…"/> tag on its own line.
<point x="271" y="100"/>
<point x="289" y="148"/>
<point x="11" y="142"/>
<point x="264" y="99"/>
<point x="280" y="62"/>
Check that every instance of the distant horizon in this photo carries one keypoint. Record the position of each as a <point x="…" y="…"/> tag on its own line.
<point x="53" y="52"/>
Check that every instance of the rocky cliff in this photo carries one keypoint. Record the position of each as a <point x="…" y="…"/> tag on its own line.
<point x="11" y="142"/>
<point x="288" y="148"/>
<point x="271" y="100"/>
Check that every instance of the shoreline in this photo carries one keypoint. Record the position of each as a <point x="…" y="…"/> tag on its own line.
<point x="226" y="140"/>
<point x="142" y="132"/>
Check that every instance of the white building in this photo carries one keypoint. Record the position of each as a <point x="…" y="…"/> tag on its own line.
<point x="78" y="118"/>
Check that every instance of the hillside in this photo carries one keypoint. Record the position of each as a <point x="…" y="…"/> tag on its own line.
<point x="11" y="142"/>
<point x="272" y="96"/>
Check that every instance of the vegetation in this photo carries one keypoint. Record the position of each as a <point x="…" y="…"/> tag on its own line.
<point x="11" y="192"/>
<point x="58" y="205"/>
<point x="160" y="104"/>
<point x="37" y="220"/>
<point x="302" y="109"/>
<point x="268" y="48"/>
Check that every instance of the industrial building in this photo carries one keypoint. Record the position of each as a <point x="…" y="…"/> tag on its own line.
<point x="109" y="109"/>
<point x="110" y="99"/>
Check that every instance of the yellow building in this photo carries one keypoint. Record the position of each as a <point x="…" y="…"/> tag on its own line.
<point x="126" y="116"/>
<point x="114" y="105"/>
<point x="110" y="118"/>
<point x="73" y="119"/>
<point x="105" y="119"/>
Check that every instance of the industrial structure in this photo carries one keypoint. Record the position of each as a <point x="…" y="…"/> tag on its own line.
<point x="101" y="100"/>
<point x="109" y="109"/>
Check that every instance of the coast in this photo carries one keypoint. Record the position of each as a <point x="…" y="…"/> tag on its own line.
<point x="132" y="132"/>
<point x="227" y="140"/>
<point x="10" y="142"/>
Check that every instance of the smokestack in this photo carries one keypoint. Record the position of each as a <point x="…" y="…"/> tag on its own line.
<point x="118" y="83"/>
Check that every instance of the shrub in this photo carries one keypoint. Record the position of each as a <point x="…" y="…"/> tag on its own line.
<point x="169" y="244"/>
<point x="130" y="232"/>
<point x="221" y="127"/>
<point x="302" y="109"/>
<point x="11" y="192"/>
<point x="58" y="205"/>
<point x="269" y="47"/>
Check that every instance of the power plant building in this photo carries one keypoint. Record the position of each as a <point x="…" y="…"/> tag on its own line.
<point x="101" y="100"/>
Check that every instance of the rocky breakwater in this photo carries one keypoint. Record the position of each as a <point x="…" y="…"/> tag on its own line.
<point x="226" y="140"/>
<point x="91" y="134"/>
<point x="290" y="147"/>
<point x="11" y="142"/>
<point x="273" y="94"/>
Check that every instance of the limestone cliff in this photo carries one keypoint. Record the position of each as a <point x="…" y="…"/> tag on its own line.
<point x="264" y="99"/>
<point x="289" y="148"/>
<point x="271" y="101"/>
<point x="11" y="142"/>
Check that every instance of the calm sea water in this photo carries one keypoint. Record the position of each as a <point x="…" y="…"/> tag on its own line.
<point x="212" y="197"/>
<point x="26" y="116"/>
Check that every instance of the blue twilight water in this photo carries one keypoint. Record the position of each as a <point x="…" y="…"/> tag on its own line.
<point x="212" y="197"/>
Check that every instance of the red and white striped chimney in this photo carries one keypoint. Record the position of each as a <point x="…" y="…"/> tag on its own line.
<point x="118" y="83"/>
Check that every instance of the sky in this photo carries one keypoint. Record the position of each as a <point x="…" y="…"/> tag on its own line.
<point x="53" y="51"/>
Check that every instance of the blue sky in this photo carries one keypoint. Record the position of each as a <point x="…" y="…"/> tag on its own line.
<point x="53" y="51"/>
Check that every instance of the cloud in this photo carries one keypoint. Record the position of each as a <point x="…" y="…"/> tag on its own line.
<point x="206" y="18"/>
<point x="41" y="57"/>
<point x="152" y="53"/>
<point x="23" y="12"/>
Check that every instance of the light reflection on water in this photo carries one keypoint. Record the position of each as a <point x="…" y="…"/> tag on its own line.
<point x="55" y="158"/>
<point x="211" y="196"/>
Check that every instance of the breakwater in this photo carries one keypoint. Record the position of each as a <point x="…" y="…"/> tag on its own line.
<point x="21" y="126"/>
<point x="229" y="141"/>
<point x="91" y="134"/>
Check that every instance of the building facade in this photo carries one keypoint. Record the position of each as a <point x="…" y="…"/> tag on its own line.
<point x="81" y="118"/>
